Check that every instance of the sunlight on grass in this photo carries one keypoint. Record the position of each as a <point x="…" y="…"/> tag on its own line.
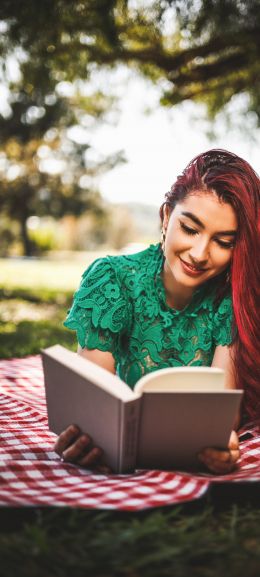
<point x="39" y="273"/>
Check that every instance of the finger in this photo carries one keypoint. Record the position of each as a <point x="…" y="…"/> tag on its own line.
<point x="66" y="438"/>
<point x="233" y="441"/>
<point x="216" y="455"/>
<point x="220" y="466"/>
<point x="232" y="454"/>
<point x="215" y="466"/>
<point x="219" y="469"/>
<point x="75" y="451"/>
<point x="92" y="457"/>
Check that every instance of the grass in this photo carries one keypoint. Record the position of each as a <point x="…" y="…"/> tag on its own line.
<point x="218" y="535"/>
<point x="49" y="273"/>
<point x="31" y="319"/>
<point x="170" y="542"/>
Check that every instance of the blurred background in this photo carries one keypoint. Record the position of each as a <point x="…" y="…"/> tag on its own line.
<point x="102" y="104"/>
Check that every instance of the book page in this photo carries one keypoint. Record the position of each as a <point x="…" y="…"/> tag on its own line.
<point x="182" y="379"/>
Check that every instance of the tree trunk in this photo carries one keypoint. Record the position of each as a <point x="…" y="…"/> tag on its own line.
<point x="27" y="245"/>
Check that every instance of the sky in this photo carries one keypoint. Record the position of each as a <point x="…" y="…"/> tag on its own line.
<point x="159" y="144"/>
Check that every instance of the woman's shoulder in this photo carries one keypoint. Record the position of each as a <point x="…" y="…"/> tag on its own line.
<point x="125" y="263"/>
<point x="132" y="259"/>
<point x="118" y="271"/>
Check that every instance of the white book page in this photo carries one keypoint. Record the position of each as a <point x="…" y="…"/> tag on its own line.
<point x="182" y="379"/>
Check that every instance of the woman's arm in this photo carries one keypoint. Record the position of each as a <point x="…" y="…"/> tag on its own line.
<point x="104" y="359"/>
<point x="223" y="462"/>
<point x="223" y="359"/>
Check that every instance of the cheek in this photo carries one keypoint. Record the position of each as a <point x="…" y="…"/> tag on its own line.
<point x="176" y="240"/>
<point x="221" y="258"/>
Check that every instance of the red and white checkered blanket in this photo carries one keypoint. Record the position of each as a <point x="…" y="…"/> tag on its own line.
<point x="32" y="474"/>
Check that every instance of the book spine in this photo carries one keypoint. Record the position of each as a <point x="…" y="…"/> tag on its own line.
<point x="130" y="412"/>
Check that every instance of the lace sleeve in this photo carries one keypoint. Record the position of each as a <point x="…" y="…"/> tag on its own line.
<point x="100" y="312"/>
<point x="222" y="323"/>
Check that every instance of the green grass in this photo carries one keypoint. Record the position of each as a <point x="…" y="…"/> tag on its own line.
<point x="218" y="535"/>
<point x="31" y="319"/>
<point x="51" y="274"/>
<point x="171" y="542"/>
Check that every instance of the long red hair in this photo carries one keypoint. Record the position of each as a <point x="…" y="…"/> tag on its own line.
<point x="235" y="182"/>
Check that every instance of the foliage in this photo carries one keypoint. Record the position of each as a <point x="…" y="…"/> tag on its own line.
<point x="172" y="541"/>
<point x="31" y="320"/>
<point x="8" y="234"/>
<point x="43" y="240"/>
<point x="29" y="337"/>
<point x="33" y="136"/>
<point x="44" y="169"/>
<point x="206" y="51"/>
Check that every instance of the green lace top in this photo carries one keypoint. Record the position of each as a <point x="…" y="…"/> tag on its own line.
<point x="121" y="307"/>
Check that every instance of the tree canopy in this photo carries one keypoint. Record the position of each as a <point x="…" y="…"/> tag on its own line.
<point x="43" y="169"/>
<point x="206" y="51"/>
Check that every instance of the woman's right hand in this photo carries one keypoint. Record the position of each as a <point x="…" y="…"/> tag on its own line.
<point x="76" y="447"/>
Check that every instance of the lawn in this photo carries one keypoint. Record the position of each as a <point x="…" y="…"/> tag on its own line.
<point x="219" y="535"/>
<point x="34" y="297"/>
<point x="49" y="273"/>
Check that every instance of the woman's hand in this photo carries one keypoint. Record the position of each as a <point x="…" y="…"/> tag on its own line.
<point x="75" y="447"/>
<point x="222" y="461"/>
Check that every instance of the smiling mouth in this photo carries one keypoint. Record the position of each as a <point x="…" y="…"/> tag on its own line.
<point x="192" y="268"/>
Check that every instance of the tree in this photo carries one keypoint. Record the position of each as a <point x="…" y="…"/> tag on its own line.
<point x="206" y="51"/>
<point x="43" y="170"/>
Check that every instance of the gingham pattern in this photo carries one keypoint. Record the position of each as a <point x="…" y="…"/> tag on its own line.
<point x="32" y="474"/>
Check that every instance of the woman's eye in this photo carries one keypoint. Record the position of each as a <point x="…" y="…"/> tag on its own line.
<point x="224" y="244"/>
<point x="187" y="229"/>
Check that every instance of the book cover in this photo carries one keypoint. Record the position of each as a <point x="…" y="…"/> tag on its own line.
<point x="163" y="423"/>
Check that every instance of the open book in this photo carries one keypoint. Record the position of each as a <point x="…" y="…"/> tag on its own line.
<point x="162" y="424"/>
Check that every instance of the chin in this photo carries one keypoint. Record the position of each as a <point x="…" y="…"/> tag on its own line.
<point x="189" y="282"/>
<point x="192" y="283"/>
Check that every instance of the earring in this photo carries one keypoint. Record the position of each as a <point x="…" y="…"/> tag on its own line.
<point x="163" y="237"/>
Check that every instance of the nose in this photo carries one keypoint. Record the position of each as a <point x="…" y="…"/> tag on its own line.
<point x="199" y="252"/>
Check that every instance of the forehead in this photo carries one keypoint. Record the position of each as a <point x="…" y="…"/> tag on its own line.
<point x="209" y="209"/>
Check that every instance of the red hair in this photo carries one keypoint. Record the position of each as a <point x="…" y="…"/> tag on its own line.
<point x="235" y="182"/>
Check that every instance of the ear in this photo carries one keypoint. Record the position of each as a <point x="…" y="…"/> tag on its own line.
<point x="166" y="216"/>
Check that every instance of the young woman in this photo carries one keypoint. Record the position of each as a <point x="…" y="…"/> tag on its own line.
<point x="192" y="300"/>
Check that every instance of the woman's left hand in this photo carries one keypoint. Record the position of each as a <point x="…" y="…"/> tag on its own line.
<point x="222" y="461"/>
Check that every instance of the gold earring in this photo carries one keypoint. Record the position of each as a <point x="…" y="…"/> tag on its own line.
<point x="163" y="237"/>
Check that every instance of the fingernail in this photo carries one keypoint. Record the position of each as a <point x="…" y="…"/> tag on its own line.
<point x="84" y="440"/>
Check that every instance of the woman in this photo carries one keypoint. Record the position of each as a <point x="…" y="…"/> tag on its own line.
<point x="190" y="301"/>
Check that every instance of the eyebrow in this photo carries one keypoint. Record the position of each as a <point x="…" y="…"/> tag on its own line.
<point x="197" y="221"/>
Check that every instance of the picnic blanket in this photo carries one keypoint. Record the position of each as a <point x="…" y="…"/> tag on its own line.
<point x="32" y="474"/>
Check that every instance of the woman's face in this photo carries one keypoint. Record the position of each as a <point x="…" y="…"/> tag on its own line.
<point x="200" y="235"/>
